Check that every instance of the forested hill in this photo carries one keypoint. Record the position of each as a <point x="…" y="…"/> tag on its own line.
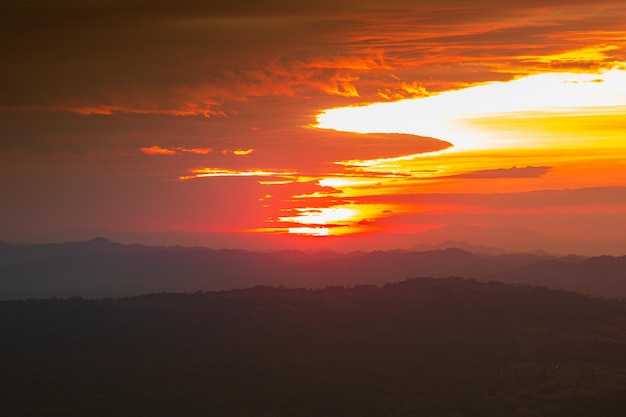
<point x="424" y="347"/>
<point x="100" y="268"/>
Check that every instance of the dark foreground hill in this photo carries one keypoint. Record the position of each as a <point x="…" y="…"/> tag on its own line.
<point x="100" y="268"/>
<point x="424" y="347"/>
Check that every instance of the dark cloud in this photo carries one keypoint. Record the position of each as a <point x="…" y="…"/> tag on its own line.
<point x="193" y="57"/>
<point x="511" y="200"/>
<point x="513" y="172"/>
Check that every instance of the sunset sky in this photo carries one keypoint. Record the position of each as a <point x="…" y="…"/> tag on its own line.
<point x="338" y="124"/>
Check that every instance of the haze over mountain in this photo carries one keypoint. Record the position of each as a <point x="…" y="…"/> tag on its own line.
<point x="101" y="268"/>
<point x="519" y="239"/>
<point x="498" y="238"/>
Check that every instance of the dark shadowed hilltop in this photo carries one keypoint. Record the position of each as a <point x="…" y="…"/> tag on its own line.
<point x="425" y="347"/>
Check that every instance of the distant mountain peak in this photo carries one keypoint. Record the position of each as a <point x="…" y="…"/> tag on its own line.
<point x="101" y="241"/>
<point x="507" y="238"/>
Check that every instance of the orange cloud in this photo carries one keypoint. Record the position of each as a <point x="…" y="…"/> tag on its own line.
<point x="222" y="172"/>
<point x="241" y="152"/>
<point x="185" y="109"/>
<point x="157" y="150"/>
<point x="342" y="85"/>
<point x="371" y="59"/>
<point x="404" y="91"/>
<point x="237" y="152"/>
<point x="197" y="151"/>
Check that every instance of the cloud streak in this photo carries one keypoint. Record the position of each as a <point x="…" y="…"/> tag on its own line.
<point x="157" y="150"/>
<point x="513" y="172"/>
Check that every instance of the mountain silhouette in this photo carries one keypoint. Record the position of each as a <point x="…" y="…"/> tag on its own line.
<point x="100" y="268"/>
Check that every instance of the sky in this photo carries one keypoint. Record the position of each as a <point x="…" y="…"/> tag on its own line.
<point x="321" y="124"/>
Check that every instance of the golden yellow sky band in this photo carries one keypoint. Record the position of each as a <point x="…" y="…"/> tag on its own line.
<point x="468" y="118"/>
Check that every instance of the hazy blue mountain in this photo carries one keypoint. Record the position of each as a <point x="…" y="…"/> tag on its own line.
<point x="13" y="254"/>
<point x="514" y="239"/>
<point x="100" y="268"/>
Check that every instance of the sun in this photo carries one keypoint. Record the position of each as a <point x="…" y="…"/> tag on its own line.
<point x="319" y="221"/>
<point x="335" y="220"/>
<point x="309" y="231"/>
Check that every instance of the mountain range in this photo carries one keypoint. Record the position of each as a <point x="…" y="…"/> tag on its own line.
<point x="100" y="268"/>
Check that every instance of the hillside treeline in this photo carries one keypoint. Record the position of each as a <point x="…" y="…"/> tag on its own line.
<point x="422" y="347"/>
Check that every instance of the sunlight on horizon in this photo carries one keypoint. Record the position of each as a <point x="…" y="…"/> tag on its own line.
<point x="545" y="120"/>
<point x="337" y="220"/>
<point x="309" y="231"/>
<point x="321" y="216"/>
